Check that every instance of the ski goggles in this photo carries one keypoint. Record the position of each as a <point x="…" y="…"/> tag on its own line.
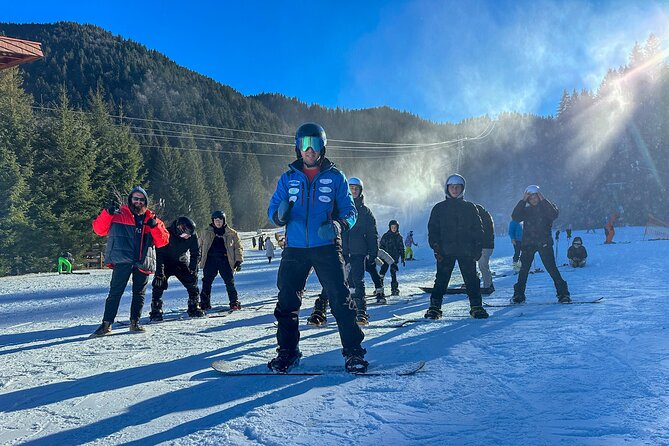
<point x="315" y="142"/>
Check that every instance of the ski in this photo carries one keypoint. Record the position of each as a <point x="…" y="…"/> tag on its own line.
<point x="403" y="321"/>
<point x="457" y="290"/>
<point x="225" y="368"/>
<point x="578" y="302"/>
<point x="180" y="318"/>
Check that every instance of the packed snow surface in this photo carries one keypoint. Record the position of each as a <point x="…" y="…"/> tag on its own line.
<point x="594" y="374"/>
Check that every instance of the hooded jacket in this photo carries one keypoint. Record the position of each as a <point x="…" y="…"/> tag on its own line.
<point x="488" y="241"/>
<point x="122" y="247"/>
<point x="363" y="238"/>
<point x="326" y="199"/>
<point x="231" y="240"/>
<point x="179" y="252"/>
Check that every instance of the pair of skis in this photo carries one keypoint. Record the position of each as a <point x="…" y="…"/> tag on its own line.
<point x="228" y="369"/>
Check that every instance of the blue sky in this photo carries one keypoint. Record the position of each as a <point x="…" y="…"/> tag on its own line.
<point x="442" y="60"/>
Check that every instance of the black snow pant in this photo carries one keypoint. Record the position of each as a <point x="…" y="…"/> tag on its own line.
<point x="445" y="268"/>
<point x="187" y="279"/>
<point x="394" y="284"/>
<point x="218" y="265"/>
<point x="516" y="251"/>
<point x="294" y="269"/>
<point x="120" y="276"/>
<point x="548" y="259"/>
<point x="370" y="267"/>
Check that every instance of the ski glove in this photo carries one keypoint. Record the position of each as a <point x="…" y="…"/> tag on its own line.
<point x="329" y="230"/>
<point x="113" y="208"/>
<point x="283" y="213"/>
<point x="152" y="222"/>
<point x="193" y="271"/>
<point x="238" y="266"/>
<point x="159" y="282"/>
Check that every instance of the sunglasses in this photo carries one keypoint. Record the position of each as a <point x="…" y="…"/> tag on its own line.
<point x="141" y="199"/>
<point x="577" y="243"/>
<point x="315" y="142"/>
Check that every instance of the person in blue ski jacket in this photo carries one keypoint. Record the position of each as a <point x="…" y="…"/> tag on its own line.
<point x="313" y="201"/>
<point x="516" y="235"/>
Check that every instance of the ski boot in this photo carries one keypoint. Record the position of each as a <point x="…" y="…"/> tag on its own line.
<point x="194" y="309"/>
<point x="205" y="301"/>
<point x="563" y="295"/>
<point x="488" y="291"/>
<point x="395" y="291"/>
<point x="285" y="360"/>
<point x="361" y="317"/>
<point x="103" y="330"/>
<point x="380" y="296"/>
<point x="433" y="313"/>
<point x="135" y="327"/>
<point x="518" y="296"/>
<point x="478" y="312"/>
<point x="354" y="360"/>
<point x="235" y="305"/>
<point x="564" y="299"/>
<point x="317" y="319"/>
<point x="156" y="314"/>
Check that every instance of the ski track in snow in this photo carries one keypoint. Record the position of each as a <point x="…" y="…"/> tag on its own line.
<point x="529" y="375"/>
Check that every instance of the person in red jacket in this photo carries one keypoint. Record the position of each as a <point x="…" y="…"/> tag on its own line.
<point x="134" y="233"/>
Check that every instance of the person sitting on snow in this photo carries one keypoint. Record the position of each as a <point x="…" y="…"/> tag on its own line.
<point x="577" y="253"/>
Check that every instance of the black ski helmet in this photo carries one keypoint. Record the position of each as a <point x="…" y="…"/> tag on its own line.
<point x="184" y="225"/>
<point x="310" y="129"/>
<point x="218" y="214"/>
<point x="393" y="222"/>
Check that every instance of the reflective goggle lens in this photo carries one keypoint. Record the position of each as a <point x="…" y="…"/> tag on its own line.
<point x="314" y="142"/>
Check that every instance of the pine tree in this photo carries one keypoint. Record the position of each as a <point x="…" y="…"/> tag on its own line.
<point x="216" y="186"/>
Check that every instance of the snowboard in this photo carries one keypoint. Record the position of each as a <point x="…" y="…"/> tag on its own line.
<point x="227" y="369"/>
<point x="403" y="321"/>
<point x="457" y="290"/>
<point x="578" y="302"/>
<point x="182" y="317"/>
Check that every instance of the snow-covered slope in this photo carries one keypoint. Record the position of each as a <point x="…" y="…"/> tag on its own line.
<point x="530" y="375"/>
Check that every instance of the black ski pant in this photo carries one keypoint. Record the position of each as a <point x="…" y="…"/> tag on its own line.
<point x="218" y="265"/>
<point x="187" y="279"/>
<point x="445" y="268"/>
<point x="516" y="251"/>
<point x="548" y="259"/>
<point x="120" y="276"/>
<point x="370" y="267"/>
<point x="294" y="268"/>
<point x="394" y="284"/>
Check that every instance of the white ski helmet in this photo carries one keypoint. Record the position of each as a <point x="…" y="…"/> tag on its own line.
<point x="532" y="189"/>
<point x="455" y="179"/>
<point x="355" y="181"/>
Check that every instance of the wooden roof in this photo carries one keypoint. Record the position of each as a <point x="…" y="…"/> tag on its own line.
<point x="15" y="51"/>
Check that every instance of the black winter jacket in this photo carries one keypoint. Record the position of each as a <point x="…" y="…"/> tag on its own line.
<point x="488" y="241"/>
<point x="175" y="255"/>
<point x="393" y="244"/>
<point x="363" y="238"/>
<point x="538" y="222"/>
<point x="577" y="253"/>
<point x="455" y="228"/>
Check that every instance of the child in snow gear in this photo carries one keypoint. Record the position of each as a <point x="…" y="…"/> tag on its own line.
<point x="178" y="258"/>
<point x="313" y="201"/>
<point x="408" y="243"/>
<point x="360" y="243"/>
<point x="487" y="247"/>
<point x="221" y="253"/>
<point x="133" y="231"/>
<point x="455" y="233"/>
<point x="392" y="243"/>
<point x="516" y="236"/>
<point x="577" y="253"/>
<point x="537" y="215"/>
<point x="65" y="262"/>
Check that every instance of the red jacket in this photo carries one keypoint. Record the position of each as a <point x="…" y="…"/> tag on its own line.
<point x="121" y="243"/>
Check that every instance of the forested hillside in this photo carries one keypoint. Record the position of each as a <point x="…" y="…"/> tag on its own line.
<point x="100" y="113"/>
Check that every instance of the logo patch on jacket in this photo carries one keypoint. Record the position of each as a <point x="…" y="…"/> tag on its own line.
<point x="325" y="180"/>
<point x="294" y="183"/>
<point x="325" y="189"/>
<point x="293" y="190"/>
<point x="325" y="198"/>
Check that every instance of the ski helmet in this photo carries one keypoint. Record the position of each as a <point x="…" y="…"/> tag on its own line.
<point x="218" y="214"/>
<point x="311" y="135"/>
<point x="354" y="181"/>
<point x="393" y="222"/>
<point x="141" y="190"/>
<point x="455" y="179"/>
<point x="532" y="189"/>
<point x="184" y="225"/>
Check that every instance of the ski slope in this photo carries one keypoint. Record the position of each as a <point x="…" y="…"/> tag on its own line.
<point x="529" y="375"/>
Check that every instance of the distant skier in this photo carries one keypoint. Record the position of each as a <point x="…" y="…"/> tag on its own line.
<point x="261" y="242"/>
<point x="577" y="253"/>
<point x="516" y="236"/>
<point x="269" y="250"/>
<point x="455" y="233"/>
<point x="313" y="201"/>
<point x="360" y="243"/>
<point x="221" y="252"/>
<point x="609" y="231"/>
<point x="253" y="241"/>
<point x="133" y="231"/>
<point x="537" y="215"/>
<point x="408" y="244"/>
<point x="487" y="248"/>
<point x="65" y="261"/>
<point x="393" y="243"/>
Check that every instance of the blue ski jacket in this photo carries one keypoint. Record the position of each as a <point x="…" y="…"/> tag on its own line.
<point x="515" y="230"/>
<point x="326" y="199"/>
